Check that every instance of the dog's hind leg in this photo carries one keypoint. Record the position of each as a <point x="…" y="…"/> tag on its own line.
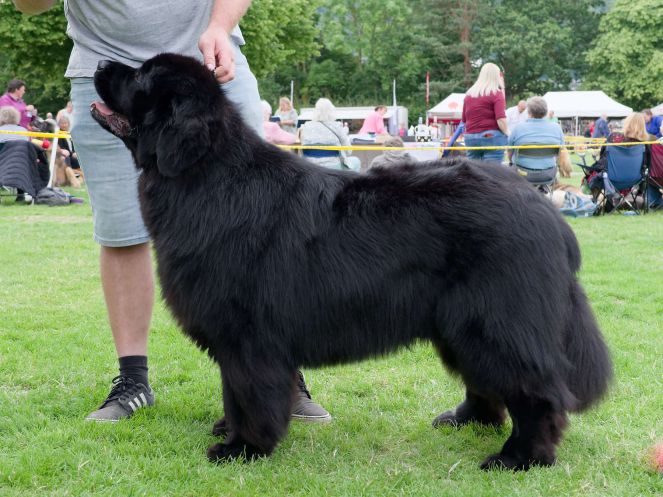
<point x="474" y="409"/>
<point x="257" y="401"/>
<point x="537" y="429"/>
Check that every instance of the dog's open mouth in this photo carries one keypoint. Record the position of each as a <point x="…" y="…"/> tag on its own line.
<point x="114" y="122"/>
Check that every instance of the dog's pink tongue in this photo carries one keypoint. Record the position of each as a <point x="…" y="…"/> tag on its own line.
<point x="101" y="108"/>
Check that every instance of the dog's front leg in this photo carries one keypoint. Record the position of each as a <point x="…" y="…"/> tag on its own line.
<point x="257" y="403"/>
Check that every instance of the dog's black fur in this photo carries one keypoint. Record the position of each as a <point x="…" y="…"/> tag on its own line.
<point x="271" y="263"/>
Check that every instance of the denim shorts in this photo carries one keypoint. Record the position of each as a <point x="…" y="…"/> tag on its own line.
<point x="110" y="174"/>
<point x="490" y="138"/>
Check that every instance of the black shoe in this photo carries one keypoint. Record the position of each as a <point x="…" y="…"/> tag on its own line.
<point x="125" y="398"/>
<point x="304" y="409"/>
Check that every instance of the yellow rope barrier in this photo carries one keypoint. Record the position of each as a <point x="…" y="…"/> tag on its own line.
<point x="579" y="144"/>
<point x="35" y="134"/>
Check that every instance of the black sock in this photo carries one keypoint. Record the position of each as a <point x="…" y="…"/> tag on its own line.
<point x="134" y="367"/>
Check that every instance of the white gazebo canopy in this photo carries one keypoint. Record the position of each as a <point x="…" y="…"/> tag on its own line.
<point x="658" y="110"/>
<point x="449" y="109"/>
<point x="568" y="104"/>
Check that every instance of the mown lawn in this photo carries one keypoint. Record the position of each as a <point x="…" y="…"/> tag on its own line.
<point x="57" y="360"/>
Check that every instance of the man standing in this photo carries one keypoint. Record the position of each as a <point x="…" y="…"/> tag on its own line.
<point x="601" y="129"/>
<point x="516" y="115"/>
<point x="14" y="98"/>
<point x="653" y="124"/>
<point x="132" y="32"/>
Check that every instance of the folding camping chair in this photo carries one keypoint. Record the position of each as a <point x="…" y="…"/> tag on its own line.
<point x="542" y="179"/>
<point x="654" y="196"/>
<point x="624" y="180"/>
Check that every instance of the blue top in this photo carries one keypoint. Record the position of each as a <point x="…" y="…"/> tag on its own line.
<point x="601" y="129"/>
<point x="654" y="126"/>
<point x="536" y="132"/>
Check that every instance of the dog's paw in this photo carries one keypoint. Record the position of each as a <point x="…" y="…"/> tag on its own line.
<point x="452" y="418"/>
<point x="220" y="453"/>
<point x="220" y="428"/>
<point x="507" y="462"/>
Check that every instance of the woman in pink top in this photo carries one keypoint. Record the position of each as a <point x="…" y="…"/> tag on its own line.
<point x="484" y="115"/>
<point x="273" y="132"/>
<point x="374" y="122"/>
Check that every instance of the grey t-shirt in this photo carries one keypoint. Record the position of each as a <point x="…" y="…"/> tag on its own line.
<point x="133" y="31"/>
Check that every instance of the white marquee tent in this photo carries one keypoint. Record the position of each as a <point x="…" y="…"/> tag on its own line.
<point x="658" y="110"/>
<point x="569" y="104"/>
<point x="449" y="109"/>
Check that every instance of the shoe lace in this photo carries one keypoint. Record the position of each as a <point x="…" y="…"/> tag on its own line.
<point x="123" y="387"/>
<point x="301" y="384"/>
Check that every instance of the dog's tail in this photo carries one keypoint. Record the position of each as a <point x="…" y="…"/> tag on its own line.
<point x="591" y="368"/>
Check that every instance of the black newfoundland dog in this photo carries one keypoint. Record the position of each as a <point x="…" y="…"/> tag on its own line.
<point x="270" y="263"/>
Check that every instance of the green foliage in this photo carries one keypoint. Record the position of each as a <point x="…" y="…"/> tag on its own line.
<point x="541" y="44"/>
<point x="626" y="61"/>
<point x="279" y="33"/>
<point x="36" y="50"/>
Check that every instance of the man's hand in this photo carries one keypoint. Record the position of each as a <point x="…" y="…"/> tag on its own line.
<point x="218" y="53"/>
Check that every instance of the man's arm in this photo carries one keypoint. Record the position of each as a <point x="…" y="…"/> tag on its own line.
<point x="32" y="7"/>
<point x="214" y="43"/>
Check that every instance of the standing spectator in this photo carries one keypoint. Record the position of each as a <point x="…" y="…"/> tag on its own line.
<point x="9" y="121"/>
<point x="484" y="115"/>
<point x="67" y="112"/>
<point x="551" y="117"/>
<point x="654" y="124"/>
<point x="601" y="129"/>
<point x="273" y="133"/>
<point x="516" y="115"/>
<point x="374" y="122"/>
<point x="323" y="129"/>
<point x="14" y="98"/>
<point x="100" y="29"/>
<point x="287" y="115"/>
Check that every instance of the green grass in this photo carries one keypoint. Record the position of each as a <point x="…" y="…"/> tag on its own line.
<point x="57" y="359"/>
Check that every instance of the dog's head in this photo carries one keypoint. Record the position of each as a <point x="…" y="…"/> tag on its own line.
<point x="162" y="110"/>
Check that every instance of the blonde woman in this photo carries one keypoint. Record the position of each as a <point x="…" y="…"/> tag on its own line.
<point x="634" y="131"/>
<point x="287" y="115"/>
<point x="484" y="115"/>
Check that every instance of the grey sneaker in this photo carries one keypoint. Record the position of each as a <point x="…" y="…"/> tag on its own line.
<point x="125" y="398"/>
<point x="304" y="409"/>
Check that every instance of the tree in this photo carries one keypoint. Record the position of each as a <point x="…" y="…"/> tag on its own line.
<point x="36" y="50"/>
<point x="541" y="44"/>
<point x="279" y="33"/>
<point x="626" y="60"/>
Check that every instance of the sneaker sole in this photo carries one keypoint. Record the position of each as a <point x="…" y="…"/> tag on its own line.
<point x="312" y="419"/>
<point x="98" y="420"/>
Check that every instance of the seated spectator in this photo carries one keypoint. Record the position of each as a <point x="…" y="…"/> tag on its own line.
<point x="287" y="115"/>
<point x="536" y="130"/>
<point x="374" y="122"/>
<point x="14" y="98"/>
<point x="323" y="129"/>
<point x="67" y="146"/>
<point x="273" y="132"/>
<point x="634" y="131"/>
<point x="9" y="119"/>
<point x="391" y="157"/>
<point x="654" y="124"/>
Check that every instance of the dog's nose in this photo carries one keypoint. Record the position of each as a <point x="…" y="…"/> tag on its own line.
<point x="103" y="64"/>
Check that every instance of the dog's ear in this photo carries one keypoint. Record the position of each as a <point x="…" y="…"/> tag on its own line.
<point x="181" y="144"/>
